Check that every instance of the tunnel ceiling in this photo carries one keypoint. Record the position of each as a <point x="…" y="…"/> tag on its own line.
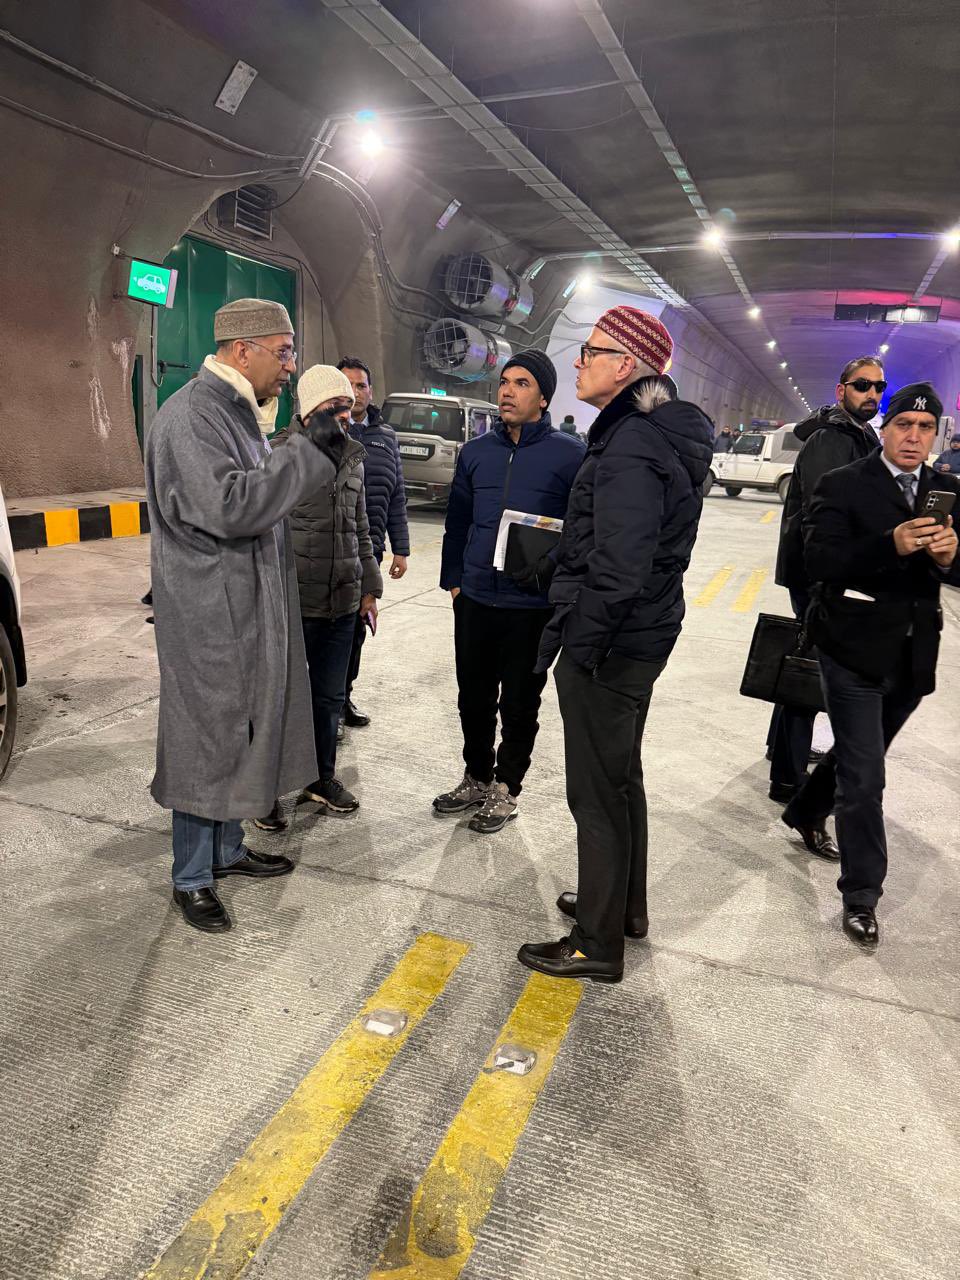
<point x="838" y="116"/>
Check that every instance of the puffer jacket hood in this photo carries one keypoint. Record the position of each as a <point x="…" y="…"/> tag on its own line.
<point x="689" y="431"/>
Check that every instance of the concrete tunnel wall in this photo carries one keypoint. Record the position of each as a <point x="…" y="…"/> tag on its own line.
<point x="67" y="344"/>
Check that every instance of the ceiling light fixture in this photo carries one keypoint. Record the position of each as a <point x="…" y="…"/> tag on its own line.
<point x="754" y="313"/>
<point x="783" y="364"/>
<point x="771" y="344"/>
<point x="713" y="238"/>
<point x="371" y="144"/>
<point x="951" y="239"/>
<point x="884" y="348"/>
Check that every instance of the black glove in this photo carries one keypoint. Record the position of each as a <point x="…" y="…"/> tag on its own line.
<point x="536" y="578"/>
<point x="324" y="431"/>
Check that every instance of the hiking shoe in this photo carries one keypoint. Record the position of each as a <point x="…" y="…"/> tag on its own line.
<point x="272" y="821"/>
<point x="498" y="807"/>
<point x="463" y="796"/>
<point x="331" y="795"/>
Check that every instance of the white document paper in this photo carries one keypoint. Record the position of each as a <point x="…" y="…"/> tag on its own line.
<point x="850" y="594"/>
<point x="519" y="517"/>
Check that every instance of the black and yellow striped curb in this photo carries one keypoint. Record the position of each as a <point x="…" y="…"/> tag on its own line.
<point x="78" y="524"/>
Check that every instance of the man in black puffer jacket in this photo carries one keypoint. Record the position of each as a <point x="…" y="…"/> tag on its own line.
<point x="386" y="502"/>
<point x="338" y="577"/>
<point x="834" y="436"/>
<point x="618" y="590"/>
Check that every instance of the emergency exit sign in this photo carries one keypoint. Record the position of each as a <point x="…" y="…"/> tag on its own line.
<point x="149" y="282"/>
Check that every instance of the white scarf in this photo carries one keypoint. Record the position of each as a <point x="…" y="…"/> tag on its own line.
<point x="266" y="413"/>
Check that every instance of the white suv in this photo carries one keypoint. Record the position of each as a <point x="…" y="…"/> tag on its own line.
<point x="760" y="460"/>
<point x="13" y="666"/>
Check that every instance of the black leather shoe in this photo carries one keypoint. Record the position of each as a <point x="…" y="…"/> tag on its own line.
<point x="860" y="924"/>
<point x="633" y="926"/>
<point x="203" y="909"/>
<point x="259" y="865"/>
<point x="782" y="792"/>
<point x="353" y="718"/>
<point x="817" y="839"/>
<point x="557" y="960"/>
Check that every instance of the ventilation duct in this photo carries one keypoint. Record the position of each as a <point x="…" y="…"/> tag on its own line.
<point x="249" y="210"/>
<point x="480" y="287"/>
<point x="460" y="350"/>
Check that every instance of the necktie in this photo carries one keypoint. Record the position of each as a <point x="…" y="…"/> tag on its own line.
<point x="906" y="483"/>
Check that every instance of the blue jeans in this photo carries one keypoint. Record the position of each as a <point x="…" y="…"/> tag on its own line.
<point x="329" y="643"/>
<point x="199" y="845"/>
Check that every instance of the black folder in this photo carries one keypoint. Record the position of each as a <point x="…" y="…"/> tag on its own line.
<point x="526" y="544"/>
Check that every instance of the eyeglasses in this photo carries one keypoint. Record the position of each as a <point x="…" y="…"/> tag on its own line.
<point x="286" y="355"/>
<point x="864" y="384"/>
<point x="587" y="352"/>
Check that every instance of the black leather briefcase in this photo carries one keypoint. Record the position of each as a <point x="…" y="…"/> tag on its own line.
<point x="781" y="666"/>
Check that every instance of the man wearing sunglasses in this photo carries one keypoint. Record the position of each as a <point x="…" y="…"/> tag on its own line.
<point x="834" y="436"/>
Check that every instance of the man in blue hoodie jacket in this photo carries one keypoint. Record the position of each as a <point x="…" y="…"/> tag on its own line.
<point x="523" y="464"/>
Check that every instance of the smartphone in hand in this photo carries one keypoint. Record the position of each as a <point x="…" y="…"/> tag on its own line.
<point x="370" y="620"/>
<point x="938" y="504"/>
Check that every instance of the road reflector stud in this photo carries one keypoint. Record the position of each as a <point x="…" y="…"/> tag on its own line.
<point x="384" y="1022"/>
<point x="515" y="1059"/>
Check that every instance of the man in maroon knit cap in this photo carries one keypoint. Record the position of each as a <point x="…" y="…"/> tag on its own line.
<point x="618" y="590"/>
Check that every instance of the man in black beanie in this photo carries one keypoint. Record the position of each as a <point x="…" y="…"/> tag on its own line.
<point x="878" y="562"/>
<point x="523" y="464"/>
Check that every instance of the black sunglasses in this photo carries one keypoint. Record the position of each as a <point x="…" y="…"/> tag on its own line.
<point x="864" y="384"/>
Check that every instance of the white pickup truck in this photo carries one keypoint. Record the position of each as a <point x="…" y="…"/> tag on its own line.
<point x="13" y="665"/>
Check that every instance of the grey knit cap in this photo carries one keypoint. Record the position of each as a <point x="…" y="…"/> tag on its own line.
<point x="250" y="318"/>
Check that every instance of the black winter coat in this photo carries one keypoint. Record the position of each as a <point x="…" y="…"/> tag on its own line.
<point x="831" y="439"/>
<point x="849" y="546"/>
<point x="383" y="485"/>
<point x="331" y="543"/>
<point x="630" y="528"/>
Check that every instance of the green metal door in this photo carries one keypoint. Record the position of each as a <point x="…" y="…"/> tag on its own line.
<point x="209" y="277"/>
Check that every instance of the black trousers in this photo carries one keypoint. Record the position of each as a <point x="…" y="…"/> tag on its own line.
<point x="866" y="716"/>
<point x="359" y="635"/>
<point x="603" y="722"/>
<point x="496" y="651"/>
<point x="791" y="730"/>
<point x="353" y="669"/>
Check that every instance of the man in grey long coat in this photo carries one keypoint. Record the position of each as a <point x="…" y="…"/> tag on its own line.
<point x="235" y="728"/>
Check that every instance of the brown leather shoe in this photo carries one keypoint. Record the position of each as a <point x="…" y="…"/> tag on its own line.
<point x="633" y="926"/>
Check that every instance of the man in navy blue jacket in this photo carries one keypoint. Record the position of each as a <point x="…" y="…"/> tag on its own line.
<point x="523" y="464"/>
<point x="386" y="503"/>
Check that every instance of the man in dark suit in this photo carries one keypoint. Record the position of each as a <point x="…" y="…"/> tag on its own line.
<point x="832" y="437"/>
<point x="878" y="565"/>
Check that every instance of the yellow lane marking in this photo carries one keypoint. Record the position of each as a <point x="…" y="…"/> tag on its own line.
<point x="437" y="1233"/>
<point x="125" y="519"/>
<point x="62" y="527"/>
<point x="744" y="601"/>
<point x="768" y="517"/>
<point x="714" y="587"/>
<point x="226" y="1231"/>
